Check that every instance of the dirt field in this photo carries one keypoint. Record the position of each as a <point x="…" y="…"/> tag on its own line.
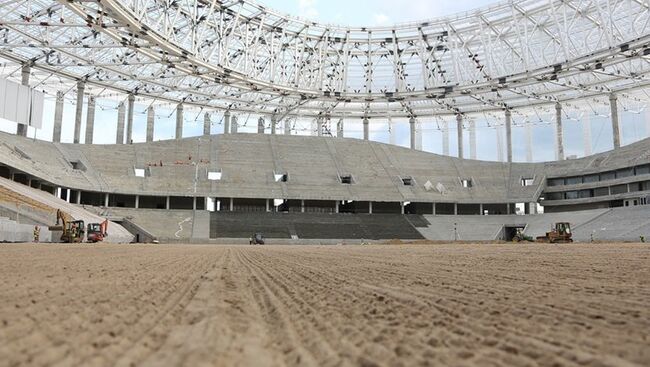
<point x="483" y="305"/>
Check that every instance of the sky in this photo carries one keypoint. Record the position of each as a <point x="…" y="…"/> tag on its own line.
<point x="372" y="12"/>
<point x="635" y="120"/>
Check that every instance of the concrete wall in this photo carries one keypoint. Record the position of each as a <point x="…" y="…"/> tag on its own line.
<point x="248" y="162"/>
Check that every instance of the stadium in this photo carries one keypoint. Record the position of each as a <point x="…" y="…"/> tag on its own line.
<point x="451" y="146"/>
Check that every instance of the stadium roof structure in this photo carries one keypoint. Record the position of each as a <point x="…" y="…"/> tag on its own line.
<point x="242" y="56"/>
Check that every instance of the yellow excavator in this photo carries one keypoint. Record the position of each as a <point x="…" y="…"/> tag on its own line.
<point x="72" y="230"/>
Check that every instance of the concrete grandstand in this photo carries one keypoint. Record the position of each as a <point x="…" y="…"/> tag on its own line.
<point x="518" y="62"/>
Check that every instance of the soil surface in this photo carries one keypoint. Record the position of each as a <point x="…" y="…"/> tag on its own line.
<point x="193" y="305"/>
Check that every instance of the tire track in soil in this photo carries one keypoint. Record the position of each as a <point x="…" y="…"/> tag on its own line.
<point x="467" y="305"/>
<point x="319" y="337"/>
<point x="285" y="336"/>
<point x="517" y="337"/>
<point x="219" y="326"/>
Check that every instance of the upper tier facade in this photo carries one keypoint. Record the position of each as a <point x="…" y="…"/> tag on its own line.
<point x="252" y="165"/>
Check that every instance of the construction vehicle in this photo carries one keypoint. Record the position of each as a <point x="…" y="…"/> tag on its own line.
<point x="560" y="233"/>
<point x="97" y="231"/>
<point x="256" y="239"/>
<point x="520" y="236"/>
<point x="72" y="230"/>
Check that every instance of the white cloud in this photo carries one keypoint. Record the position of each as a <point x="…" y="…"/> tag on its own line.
<point x="381" y="20"/>
<point x="307" y="9"/>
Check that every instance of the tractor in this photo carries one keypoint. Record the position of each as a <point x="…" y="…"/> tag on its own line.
<point x="560" y="233"/>
<point x="256" y="239"/>
<point x="520" y="236"/>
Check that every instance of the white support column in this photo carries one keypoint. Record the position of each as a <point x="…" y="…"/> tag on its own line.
<point x="319" y="126"/>
<point x="401" y="207"/>
<point x="268" y="207"/>
<point x="119" y="138"/>
<point x="232" y="204"/>
<point x="194" y="203"/>
<point x="151" y="117"/>
<point x="434" y="208"/>
<point x="336" y="206"/>
<point x="179" y="122"/>
<point x="234" y="124"/>
<point x="472" y="138"/>
<point x="167" y="200"/>
<point x="586" y="134"/>
<point x="370" y="207"/>
<point x="206" y="124"/>
<point x="129" y="119"/>
<point x="459" y="126"/>
<point x="647" y="122"/>
<point x="418" y="134"/>
<point x="302" y="206"/>
<point x="366" y="128"/>
<point x="274" y="122"/>
<point x="78" y="201"/>
<point x="455" y="208"/>
<point x="445" y="138"/>
<point x="499" y="142"/>
<point x="21" y="129"/>
<point x="616" y="129"/>
<point x="287" y="126"/>
<point x="90" y="120"/>
<point x="508" y="136"/>
<point x="78" y="111"/>
<point x="137" y="202"/>
<point x="106" y="200"/>
<point x="226" y="122"/>
<point x="339" y="128"/>
<point x="58" y="117"/>
<point x="24" y="74"/>
<point x="480" y="209"/>
<point x="314" y="127"/>
<point x="412" y="132"/>
<point x="260" y="125"/>
<point x="559" y="140"/>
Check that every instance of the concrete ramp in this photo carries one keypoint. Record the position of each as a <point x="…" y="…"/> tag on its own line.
<point x="36" y="200"/>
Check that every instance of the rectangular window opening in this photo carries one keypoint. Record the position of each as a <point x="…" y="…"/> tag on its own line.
<point x="346" y="179"/>
<point x="77" y="165"/>
<point x="407" y="181"/>
<point x="281" y="177"/>
<point x="466" y="182"/>
<point x="214" y="175"/>
<point x="527" y="181"/>
<point x="139" y="172"/>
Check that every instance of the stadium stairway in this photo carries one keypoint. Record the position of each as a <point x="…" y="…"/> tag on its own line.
<point x="45" y="205"/>
<point x="166" y="225"/>
<point x="312" y="226"/>
<point x="617" y="224"/>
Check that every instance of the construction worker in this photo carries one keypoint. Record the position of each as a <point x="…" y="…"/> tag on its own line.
<point x="37" y="233"/>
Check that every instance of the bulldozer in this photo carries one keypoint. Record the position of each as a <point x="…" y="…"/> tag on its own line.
<point x="97" y="231"/>
<point x="72" y="230"/>
<point x="560" y="233"/>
